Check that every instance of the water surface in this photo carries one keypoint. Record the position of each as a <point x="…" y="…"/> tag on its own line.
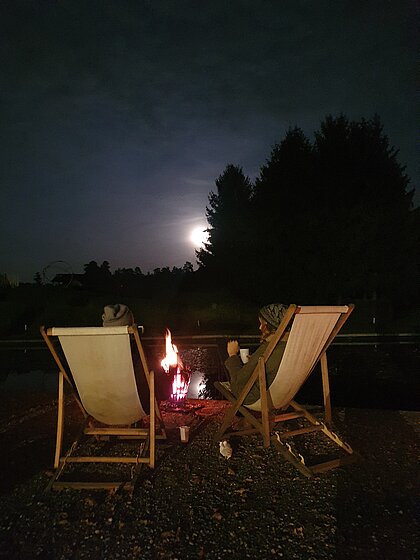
<point x="364" y="376"/>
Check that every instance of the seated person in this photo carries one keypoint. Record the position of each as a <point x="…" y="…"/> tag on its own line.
<point x="270" y="318"/>
<point x="119" y="315"/>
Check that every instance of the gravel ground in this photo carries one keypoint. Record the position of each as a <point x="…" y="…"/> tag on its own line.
<point x="196" y="504"/>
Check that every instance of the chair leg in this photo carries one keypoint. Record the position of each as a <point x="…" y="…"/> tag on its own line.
<point x="230" y="414"/>
<point x="329" y="433"/>
<point x="288" y="454"/>
<point x="265" y="417"/>
<point x="227" y="420"/>
<point x="152" y="420"/>
<point x="60" y="420"/>
<point x="326" y="390"/>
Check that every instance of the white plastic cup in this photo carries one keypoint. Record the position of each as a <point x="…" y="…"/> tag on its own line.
<point x="244" y="353"/>
<point x="184" y="432"/>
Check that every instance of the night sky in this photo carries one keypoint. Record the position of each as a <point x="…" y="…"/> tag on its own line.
<point x="117" y="116"/>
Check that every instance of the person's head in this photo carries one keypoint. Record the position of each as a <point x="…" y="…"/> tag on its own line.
<point x="270" y="317"/>
<point x="117" y="315"/>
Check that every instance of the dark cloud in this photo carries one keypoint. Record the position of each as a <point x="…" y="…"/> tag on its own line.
<point x="117" y="116"/>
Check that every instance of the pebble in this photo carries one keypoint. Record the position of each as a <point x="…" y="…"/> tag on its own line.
<point x="269" y="509"/>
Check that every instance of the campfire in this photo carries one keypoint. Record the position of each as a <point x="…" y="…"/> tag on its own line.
<point x="174" y="367"/>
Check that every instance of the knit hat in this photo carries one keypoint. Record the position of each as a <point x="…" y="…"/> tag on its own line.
<point x="273" y="314"/>
<point x="117" y="315"/>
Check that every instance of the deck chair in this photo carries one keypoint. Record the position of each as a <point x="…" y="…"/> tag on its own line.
<point x="97" y="365"/>
<point x="312" y="329"/>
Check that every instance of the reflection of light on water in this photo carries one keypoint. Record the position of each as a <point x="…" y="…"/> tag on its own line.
<point x="197" y="385"/>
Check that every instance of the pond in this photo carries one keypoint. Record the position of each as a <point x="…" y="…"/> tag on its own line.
<point x="361" y="376"/>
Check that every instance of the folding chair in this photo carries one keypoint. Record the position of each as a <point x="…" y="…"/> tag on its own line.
<point x="312" y="329"/>
<point x="97" y="364"/>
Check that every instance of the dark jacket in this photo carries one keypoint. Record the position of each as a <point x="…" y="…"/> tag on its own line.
<point x="239" y="373"/>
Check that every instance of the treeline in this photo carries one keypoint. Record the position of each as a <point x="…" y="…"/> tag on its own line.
<point x="157" y="298"/>
<point x="125" y="281"/>
<point x="325" y="221"/>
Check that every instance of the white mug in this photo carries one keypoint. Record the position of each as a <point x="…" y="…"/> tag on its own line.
<point x="244" y="353"/>
<point x="184" y="432"/>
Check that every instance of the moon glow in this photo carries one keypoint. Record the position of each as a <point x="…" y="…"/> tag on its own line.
<point x="198" y="237"/>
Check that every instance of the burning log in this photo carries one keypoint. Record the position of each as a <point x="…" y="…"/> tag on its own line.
<point x="174" y="367"/>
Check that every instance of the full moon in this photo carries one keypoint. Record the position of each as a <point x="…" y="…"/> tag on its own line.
<point x="199" y="236"/>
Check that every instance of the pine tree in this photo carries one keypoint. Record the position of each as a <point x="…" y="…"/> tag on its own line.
<point x="282" y="206"/>
<point x="226" y="251"/>
<point x="364" y="206"/>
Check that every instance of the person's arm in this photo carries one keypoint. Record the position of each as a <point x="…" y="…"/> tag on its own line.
<point x="234" y="362"/>
<point x="239" y="373"/>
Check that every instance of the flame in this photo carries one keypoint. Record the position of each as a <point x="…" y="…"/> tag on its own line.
<point x="181" y="380"/>
<point x="171" y="358"/>
<point x="180" y="386"/>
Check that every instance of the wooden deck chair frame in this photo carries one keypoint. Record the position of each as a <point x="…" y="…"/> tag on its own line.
<point x="269" y="418"/>
<point x="146" y="450"/>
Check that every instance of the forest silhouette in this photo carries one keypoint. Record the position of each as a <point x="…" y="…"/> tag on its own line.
<point x="327" y="221"/>
<point x="324" y="222"/>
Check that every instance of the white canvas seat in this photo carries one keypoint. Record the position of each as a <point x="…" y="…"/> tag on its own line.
<point x="99" y="367"/>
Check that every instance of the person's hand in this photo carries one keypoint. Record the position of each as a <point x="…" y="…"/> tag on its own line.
<point x="232" y="347"/>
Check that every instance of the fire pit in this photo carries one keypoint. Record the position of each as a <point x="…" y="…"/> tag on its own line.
<point x="174" y="367"/>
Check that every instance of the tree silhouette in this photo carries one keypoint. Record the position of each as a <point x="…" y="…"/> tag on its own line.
<point x="364" y="207"/>
<point x="227" y="251"/>
<point x="98" y="278"/>
<point x="327" y="221"/>
<point x="282" y="204"/>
